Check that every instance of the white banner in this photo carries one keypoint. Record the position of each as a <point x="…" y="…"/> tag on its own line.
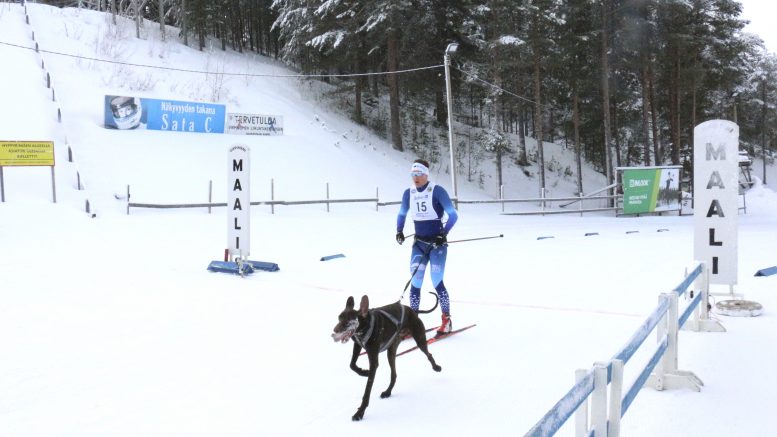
<point x="715" y="198"/>
<point x="254" y="124"/>
<point x="239" y="202"/>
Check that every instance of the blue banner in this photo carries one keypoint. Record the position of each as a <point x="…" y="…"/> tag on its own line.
<point x="123" y="112"/>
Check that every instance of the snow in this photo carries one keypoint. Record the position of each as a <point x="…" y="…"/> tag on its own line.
<point x="113" y="326"/>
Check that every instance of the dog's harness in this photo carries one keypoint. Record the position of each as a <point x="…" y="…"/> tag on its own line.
<point x="362" y="341"/>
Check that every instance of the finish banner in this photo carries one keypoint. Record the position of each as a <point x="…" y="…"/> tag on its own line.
<point x="651" y="189"/>
<point x="122" y="112"/>
<point x="254" y="124"/>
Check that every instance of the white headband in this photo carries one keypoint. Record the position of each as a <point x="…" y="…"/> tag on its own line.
<point x="419" y="168"/>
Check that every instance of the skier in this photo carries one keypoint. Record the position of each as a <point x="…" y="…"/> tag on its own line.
<point x="428" y="203"/>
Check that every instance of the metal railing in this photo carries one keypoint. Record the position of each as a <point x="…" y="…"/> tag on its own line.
<point x="543" y="201"/>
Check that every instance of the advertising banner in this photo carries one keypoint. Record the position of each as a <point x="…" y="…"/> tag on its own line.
<point x="122" y="112"/>
<point x="254" y="124"/>
<point x="651" y="189"/>
<point x="26" y="153"/>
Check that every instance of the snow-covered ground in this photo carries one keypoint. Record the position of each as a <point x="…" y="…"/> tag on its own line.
<point x="112" y="325"/>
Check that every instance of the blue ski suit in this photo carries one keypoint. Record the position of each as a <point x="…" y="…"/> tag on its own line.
<point x="428" y="204"/>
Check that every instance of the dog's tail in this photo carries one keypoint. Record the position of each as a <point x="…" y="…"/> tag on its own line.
<point x="436" y="302"/>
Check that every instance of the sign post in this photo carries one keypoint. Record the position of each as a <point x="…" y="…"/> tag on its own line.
<point x="239" y="203"/>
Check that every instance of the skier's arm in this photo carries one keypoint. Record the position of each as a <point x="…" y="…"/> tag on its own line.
<point x="403" y="210"/>
<point x="447" y="205"/>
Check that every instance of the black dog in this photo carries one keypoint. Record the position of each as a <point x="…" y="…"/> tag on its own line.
<point x="377" y="330"/>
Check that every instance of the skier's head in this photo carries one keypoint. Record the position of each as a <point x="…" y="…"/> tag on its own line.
<point x="420" y="172"/>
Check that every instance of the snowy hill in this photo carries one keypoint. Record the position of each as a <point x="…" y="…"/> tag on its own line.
<point x="112" y="325"/>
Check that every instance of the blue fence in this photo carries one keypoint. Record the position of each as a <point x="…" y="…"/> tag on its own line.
<point x="660" y="371"/>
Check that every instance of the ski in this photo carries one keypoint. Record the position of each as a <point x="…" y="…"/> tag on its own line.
<point x="405" y="338"/>
<point x="438" y="338"/>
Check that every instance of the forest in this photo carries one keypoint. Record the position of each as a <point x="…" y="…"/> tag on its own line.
<point x="619" y="82"/>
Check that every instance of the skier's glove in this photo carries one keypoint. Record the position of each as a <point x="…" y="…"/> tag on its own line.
<point x="400" y="237"/>
<point x="440" y="240"/>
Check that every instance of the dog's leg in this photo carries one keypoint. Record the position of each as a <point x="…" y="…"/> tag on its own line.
<point x="354" y="357"/>
<point x="391" y="353"/>
<point x="373" y="357"/>
<point x="419" y="335"/>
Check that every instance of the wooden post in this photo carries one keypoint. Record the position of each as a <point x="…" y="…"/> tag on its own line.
<point x="2" y="185"/>
<point x="502" y="196"/>
<point x="128" y="199"/>
<point x="580" y="207"/>
<point x="210" y="195"/>
<point x="377" y="197"/>
<point x="272" y="196"/>
<point x="327" y="197"/>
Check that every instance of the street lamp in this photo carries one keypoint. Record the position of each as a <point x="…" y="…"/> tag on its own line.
<point x="452" y="47"/>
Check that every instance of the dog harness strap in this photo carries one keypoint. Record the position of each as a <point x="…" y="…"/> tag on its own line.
<point x="398" y="323"/>
<point x="363" y="341"/>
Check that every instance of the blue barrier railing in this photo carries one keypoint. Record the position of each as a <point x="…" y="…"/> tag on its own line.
<point x="643" y="376"/>
<point x="555" y="418"/>
<point x="642" y="333"/>
<point x="680" y="289"/>
<point x="564" y="408"/>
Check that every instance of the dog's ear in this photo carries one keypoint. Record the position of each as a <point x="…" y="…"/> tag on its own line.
<point x="364" y="306"/>
<point x="349" y="303"/>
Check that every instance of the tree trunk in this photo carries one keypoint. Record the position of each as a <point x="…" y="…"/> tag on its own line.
<point x="357" y="111"/>
<point x="393" y="83"/>
<point x="162" y="19"/>
<point x="674" y="106"/>
<point x="616" y="138"/>
<point x="578" y="154"/>
<point x="606" y="94"/>
<point x="113" y="12"/>
<point x="184" y="30"/>
<point x="538" y="118"/>
<point x="764" y="109"/>
<point x="653" y="116"/>
<point x="693" y="115"/>
<point x="523" y="159"/>
<point x="138" y="17"/>
<point x="645" y="111"/>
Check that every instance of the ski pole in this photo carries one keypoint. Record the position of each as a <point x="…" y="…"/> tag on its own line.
<point x="476" y="239"/>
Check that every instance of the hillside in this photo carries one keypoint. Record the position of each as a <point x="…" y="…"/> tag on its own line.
<point x="243" y="82"/>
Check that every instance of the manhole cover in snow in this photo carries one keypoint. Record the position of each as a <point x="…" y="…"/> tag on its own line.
<point x="739" y="308"/>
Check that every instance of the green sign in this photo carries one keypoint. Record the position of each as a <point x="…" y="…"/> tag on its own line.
<point x="651" y="190"/>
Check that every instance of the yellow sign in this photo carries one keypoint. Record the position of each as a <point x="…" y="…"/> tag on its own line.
<point x="24" y="153"/>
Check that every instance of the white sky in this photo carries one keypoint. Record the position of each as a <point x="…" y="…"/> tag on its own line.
<point x="761" y="14"/>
